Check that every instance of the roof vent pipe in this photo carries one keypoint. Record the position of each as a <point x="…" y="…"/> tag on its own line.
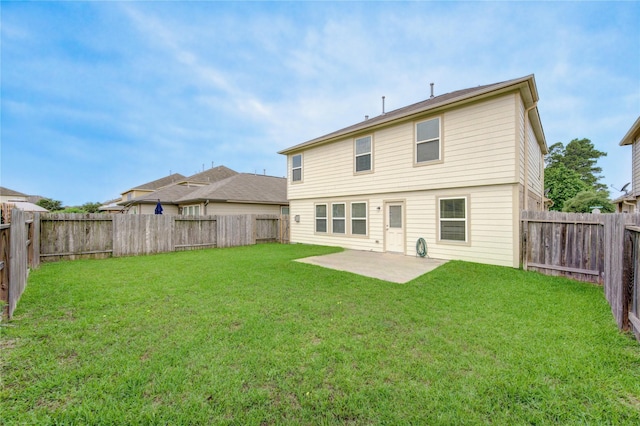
<point x="366" y="117"/>
<point x="383" y="104"/>
<point x="431" y="90"/>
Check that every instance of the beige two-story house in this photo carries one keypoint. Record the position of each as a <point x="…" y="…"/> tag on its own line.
<point x="454" y="170"/>
<point x="628" y="203"/>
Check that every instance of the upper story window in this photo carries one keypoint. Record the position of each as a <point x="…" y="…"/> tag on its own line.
<point x="296" y="168"/>
<point x="363" y="154"/>
<point x="428" y="140"/>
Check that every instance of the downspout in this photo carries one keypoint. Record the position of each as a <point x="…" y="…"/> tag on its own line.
<point x="526" y="155"/>
<point x="206" y="203"/>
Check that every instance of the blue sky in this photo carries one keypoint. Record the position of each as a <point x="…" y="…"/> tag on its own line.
<point x="99" y="97"/>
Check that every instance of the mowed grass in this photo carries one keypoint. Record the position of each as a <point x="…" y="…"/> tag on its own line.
<point x="247" y="336"/>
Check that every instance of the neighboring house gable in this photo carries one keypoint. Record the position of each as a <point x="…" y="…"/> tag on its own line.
<point x="7" y="195"/>
<point x="454" y="169"/>
<point x="629" y="203"/>
<point x="149" y="187"/>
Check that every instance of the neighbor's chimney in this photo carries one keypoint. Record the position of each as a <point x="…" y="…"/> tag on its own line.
<point x="366" y="117"/>
<point x="432" y="90"/>
<point x="383" y="104"/>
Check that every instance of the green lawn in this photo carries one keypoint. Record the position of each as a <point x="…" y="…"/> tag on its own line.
<point x="246" y="336"/>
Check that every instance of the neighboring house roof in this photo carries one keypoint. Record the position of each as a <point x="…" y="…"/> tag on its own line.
<point x="632" y="135"/>
<point x="167" y="195"/>
<point x="242" y="188"/>
<point x="214" y="174"/>
<point x="11" y="193"/>
<point x="170" y="193"/>
<point x="159" y="183"/>
<point x="26" y="206"/>
<point x="526" y="85"/>
<point x="111" y="205"/>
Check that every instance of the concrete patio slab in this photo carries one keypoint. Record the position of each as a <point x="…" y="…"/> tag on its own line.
<point x="396" y="268"/>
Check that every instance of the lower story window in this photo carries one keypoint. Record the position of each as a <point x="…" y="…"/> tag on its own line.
<point x="359" y="218"/>
<point x="453" y="219"/>
<point x="321" y="218"/>
<point x="191" y="210"/>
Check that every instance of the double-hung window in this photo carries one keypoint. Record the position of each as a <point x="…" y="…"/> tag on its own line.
<point x="296" y="168"/>
<point x="363" y="151"/>
<point x="428" y="140"/>
<point x="321" y="218"/>
<point x="338" y="218"/>
<point x="359" y="218"/>
<point x="453" y="219"/>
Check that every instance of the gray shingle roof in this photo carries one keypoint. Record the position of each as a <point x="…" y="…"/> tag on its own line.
<point x="212" y="175"/>
<point x="167" y="195"/>
<point x="243" y="187"/>
<point x="159" y="183"/>
<point x="11" y="193"/>
<point x="420" y="107"/>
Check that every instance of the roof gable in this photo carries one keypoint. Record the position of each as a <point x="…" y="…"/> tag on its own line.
<point x="632" y="135"/>
<point x="158" y="183"/>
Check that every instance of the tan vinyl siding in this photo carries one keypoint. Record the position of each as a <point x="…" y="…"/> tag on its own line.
<point x="491" y="229"/>
<point x="477" y="145"/>
<point x="239" y="208"/>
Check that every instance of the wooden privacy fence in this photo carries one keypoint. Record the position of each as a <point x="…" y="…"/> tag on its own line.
<point x="19" y="251"/>
<point x="587" y="247"/>
<point x="73" y="236"/>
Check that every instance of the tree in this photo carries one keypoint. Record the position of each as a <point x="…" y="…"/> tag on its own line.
<point x="587" y="201"/>
<point x="49" y="204"/>
<point x="91" y="207"/>
<point x="563" y="184"/>
<point x="580" y="156"/>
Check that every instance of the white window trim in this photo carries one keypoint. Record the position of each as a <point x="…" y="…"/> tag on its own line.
<point x="297" y="168"/>
<point x="416" y="142"/>
<point x="465" y="220"/>
<point x="356" y="155"/>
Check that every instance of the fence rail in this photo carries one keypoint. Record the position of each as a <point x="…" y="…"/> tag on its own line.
<point x="588" y="247"/>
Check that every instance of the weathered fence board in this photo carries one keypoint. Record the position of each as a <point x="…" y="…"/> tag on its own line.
<point x="191" y="233"/>
<point x="5" y="231"/>
<point x="142" y="234"/>
<point x="18" y="242"/>
<point x="74" y="236"/>
<point x="568" y="244"/>
<point x="238" y="230"/>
